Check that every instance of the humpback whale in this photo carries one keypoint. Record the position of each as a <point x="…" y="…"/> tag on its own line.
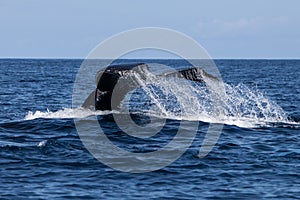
<point x="119" y="80"/>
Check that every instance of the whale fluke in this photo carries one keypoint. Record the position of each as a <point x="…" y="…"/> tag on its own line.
<point x="107" y="96"/>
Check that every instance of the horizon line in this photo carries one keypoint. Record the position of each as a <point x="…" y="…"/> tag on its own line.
<point x="153" y="58"/>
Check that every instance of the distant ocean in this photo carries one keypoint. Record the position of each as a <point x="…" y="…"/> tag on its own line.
<point x="257" y="155"/>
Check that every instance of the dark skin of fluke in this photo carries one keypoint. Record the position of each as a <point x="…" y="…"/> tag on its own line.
<point x="102" y="97"/>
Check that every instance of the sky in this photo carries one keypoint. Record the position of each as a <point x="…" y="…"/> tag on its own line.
<point x="225" y="28"/>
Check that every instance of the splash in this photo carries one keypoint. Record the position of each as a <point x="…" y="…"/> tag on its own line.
<point x="64" y="113"/>
<point x="179" y="99"/>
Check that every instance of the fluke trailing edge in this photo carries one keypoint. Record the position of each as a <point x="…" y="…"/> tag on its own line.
<point x="115" y="81"/>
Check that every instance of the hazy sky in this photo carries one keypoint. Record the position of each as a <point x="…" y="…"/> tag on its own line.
<point x="225" y="28"/>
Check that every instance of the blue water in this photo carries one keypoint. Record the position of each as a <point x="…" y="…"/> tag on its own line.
<point x="256" y="156"/>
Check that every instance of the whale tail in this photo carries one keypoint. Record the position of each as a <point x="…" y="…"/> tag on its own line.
<point x="103" y="98"/>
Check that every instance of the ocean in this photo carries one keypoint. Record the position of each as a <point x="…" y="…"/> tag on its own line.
<point x="257" y="154"/>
